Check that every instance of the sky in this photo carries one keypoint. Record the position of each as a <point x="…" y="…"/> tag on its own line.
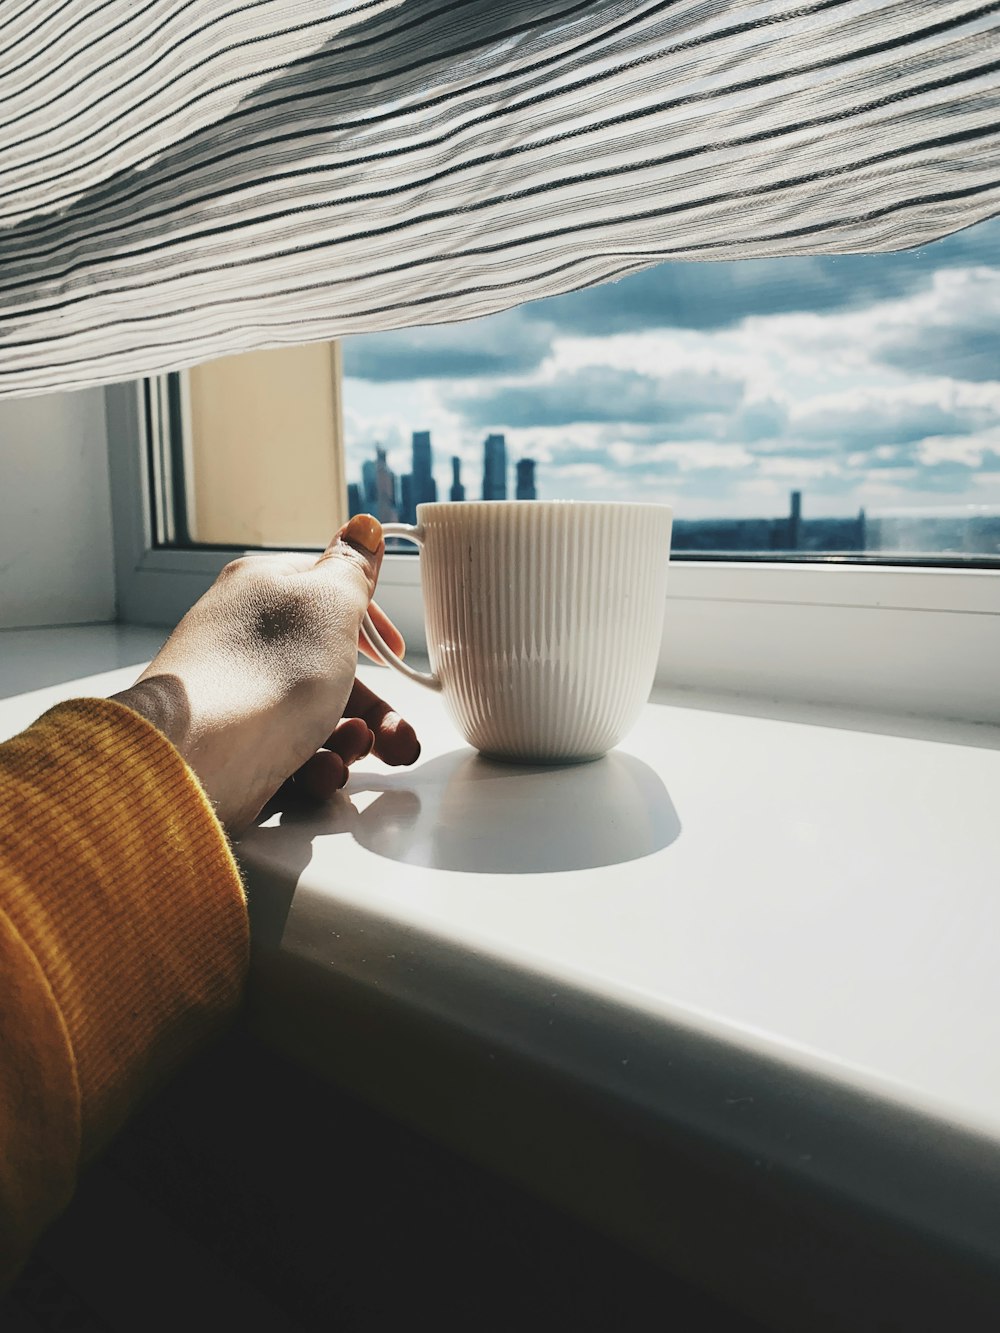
<point x="862" y="380"/>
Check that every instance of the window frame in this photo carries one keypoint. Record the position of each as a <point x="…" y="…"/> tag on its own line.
<point x="902" y="638"/>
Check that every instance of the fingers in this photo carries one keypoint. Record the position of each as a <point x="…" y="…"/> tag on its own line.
<point x="352" y="739"/>
<point x="389" y="632"/>
<point x="327" y="770"/>
<point x="369" y="724"/>
<point x="323" y="774"/>
<point x="360" y="544"/>
<point x="395" y="741"/>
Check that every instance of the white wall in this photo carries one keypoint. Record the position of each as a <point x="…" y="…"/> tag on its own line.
<point x="56" y="564"/>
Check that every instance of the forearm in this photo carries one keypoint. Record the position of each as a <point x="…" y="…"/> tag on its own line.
<point x="124" y="940"/>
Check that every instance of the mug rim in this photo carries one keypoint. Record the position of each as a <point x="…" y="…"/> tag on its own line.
<point x="430" y="506"/>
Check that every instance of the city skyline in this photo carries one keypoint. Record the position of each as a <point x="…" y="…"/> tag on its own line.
<point x="394" y="496"/>
<point x="382" y="493"/>
<point x="862" y="380"/>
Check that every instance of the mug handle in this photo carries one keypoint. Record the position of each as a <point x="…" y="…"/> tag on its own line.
<point x="425" y="678"/>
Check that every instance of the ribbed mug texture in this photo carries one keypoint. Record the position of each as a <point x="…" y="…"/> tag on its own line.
<point x="544" y="620"/>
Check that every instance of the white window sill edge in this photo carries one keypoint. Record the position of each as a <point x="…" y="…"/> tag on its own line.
<point x="770" y="936"/>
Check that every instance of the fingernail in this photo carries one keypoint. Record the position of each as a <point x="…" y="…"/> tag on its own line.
<point x="364" y="531"/>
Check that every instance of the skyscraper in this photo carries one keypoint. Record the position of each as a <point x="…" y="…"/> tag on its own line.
<point x="795" y="522"/>
<point x="355" y="504"/>
<point x="407" y="508"/>
<point x="424" y="485"/>
<point x="385" y="489"/>
<point x="495" y="468"/>
<point x="526" y="479"/>
<point x="457" y="491"/>
<point x="369" y="485"/>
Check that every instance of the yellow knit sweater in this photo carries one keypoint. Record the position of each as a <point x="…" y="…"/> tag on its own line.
<point x="123" y="943"/>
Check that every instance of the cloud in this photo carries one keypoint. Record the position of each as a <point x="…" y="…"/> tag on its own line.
<point x="702" y="456"/>
<point x="704" y="297"/>
<point x="952" y="331"/>
<point x="859" y="380"/>
<point x="503" y="344"/>
<point x="868" y="422"/>
<point x="968" y="349"/>
<point x="886" y="458"/>
<point x="950" y="475"/>
<point x="719" y="295"/>
<point x="603" y="393"/>
<point x="571" y="455"/>
<point x="365" y="433"/>
<point x="764" y="419"/>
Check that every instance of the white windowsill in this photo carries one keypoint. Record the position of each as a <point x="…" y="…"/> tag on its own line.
<point x="770" y="934"/>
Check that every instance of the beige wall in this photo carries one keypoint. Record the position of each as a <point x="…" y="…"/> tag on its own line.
<point x="265" y="432"/>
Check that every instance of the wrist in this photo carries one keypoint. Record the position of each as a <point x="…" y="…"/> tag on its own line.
<point x="160" y="700"/>
<point x="228" y="753"/>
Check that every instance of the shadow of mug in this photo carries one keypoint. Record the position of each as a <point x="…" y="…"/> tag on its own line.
<point x="463" y="812"/>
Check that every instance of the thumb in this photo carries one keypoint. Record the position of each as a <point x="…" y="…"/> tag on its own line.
<point x="359" y="545"/>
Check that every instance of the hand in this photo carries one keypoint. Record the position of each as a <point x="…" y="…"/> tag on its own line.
<point x="257" y="682"/>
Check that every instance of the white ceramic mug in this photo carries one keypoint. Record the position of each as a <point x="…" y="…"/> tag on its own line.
<point x="543" y="620"/>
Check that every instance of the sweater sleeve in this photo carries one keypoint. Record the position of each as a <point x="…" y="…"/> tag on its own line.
<point x="123" y="943"/>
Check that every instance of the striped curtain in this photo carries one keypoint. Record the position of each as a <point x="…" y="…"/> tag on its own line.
<point x="183" y="179"/>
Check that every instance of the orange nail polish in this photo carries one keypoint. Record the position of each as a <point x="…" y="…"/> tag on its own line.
<point x="363" y="530"/>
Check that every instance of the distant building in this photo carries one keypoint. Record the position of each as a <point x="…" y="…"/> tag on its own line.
<point x="418" y="485"/>
<point x="495" y="468"/>
<point x="369" y="486"/>
<point x="385" y="489"/>
<point x="424" y="485"/>
<point x="457" y="491"/>
<point x="793" y="533"/>
<point x="526" y="480"/>
<point x="355" y="502"/>
<point x="407" y="508"/>
<point x="795" y="522"/>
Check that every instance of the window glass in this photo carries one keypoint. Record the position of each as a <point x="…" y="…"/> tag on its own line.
<point x="836" y="404"/>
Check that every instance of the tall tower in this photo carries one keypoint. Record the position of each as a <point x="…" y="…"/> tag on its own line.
<point x="795" y="522"/>
<point x="495" y="468"/>
<point x="526" y="479"/>
<point x="369" y="485"/>
<point x="424" y="486"/>
<point x="457" y="491"/>
<point x="407" y="509"/>
<point x="385" y="487"/>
